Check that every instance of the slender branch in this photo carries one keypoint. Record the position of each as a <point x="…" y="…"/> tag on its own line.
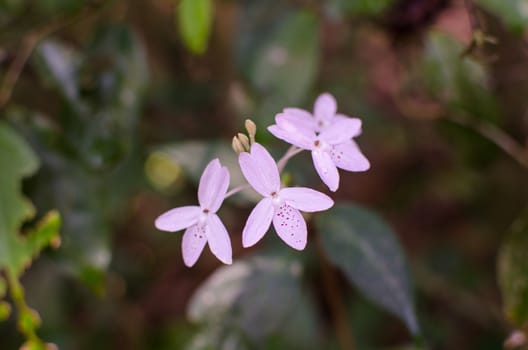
<point x="495" y="135"/>
<point x="29" y="43"/>
<point x="334" y="299"/>
<point x="292" y="151"/>
<point x="236" y="190"/>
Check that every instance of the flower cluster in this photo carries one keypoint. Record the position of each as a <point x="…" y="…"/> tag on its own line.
<point x="325" y="133"/>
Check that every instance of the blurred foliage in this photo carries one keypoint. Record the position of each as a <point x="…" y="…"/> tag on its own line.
<point x="512" y="274"/>
<point x="17" y="252"/>
<point x="194" y="22"/>
<point x="365" y="248"/>
<point x="124" y="102"/>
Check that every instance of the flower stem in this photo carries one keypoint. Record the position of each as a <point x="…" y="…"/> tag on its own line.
<point x="236" y="190"/>
<point x="334" y="298"/>
<point x="292" y="151"/>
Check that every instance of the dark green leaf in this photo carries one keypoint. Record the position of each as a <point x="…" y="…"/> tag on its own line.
<point x="364" y="7"/>
<point x="513" y="273"/>
<point x="194" y="22"/>
<point x="254" y="300"/>
<point x="365" y="248"/>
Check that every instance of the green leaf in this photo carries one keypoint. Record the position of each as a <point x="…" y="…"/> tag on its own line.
<point x="285" y="66"/>
<point x="58" y="64"/>
<point x="17" y="161"/>
<point x="364" y="7"/>
<point x="240" y="301"/>
<point x="194" y="22"/>
<point x="514" y="13"/>
<point x="365" y="248"/>
<point x="461" y="81"/>
<point x="513" y="273"/>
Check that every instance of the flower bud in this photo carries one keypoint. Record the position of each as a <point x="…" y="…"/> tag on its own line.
<point x="237" y="145"/>
<point x="244" y="140"/>
<point x="251" y="129"/>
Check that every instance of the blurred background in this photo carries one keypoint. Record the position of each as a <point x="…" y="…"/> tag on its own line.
<point x="125" y="102"/>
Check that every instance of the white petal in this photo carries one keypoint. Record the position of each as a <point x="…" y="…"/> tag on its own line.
<point x="287" y="130"/>
<point x="178" y="218"/>
<point x="300" y="118"/>
<point x="213" y="186"/>
<point x="290" y="226"/>
<point x="341" y="131"/>
<point x="260" y="170"/>
<point x="326" y="169"/>
<point x="348" y="156"/>
<point x="306" y="199"/>
<point x="325" y="107"/>
<point x="258" y="222"/>
<point x="193" y="243"/>
<point x="218" y="239"/>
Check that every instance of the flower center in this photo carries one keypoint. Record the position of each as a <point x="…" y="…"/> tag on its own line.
<point x="317" y="143"/>
<point x="275" y="197"/>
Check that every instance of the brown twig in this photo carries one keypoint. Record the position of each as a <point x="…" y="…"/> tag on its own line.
<point x="335" y="301"/>
<point x="31" y="40"/>
<point x="495" y="135"/>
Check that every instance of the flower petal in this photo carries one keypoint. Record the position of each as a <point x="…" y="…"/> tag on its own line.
<point x="218" y="239"/>
<point x="286" y="130"/>
<point x="348" y="156"/>
<point x="325" y="107"/>
<point x="306" y="199"/>
<point x="213" y="186"/>
<point x="341" y="131"/>
<point x="300" y="118"/>
<point x="260" y="170"/>
<point x="258" y="222"/>
<point x="178" y="218"/>
<point x="193" y="243"/>
<point x="290" y="226"/>
<point x="326" y="169"/>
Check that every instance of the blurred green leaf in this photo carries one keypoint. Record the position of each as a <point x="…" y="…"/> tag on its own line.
<point x="365" y="248"/>
<point x="513" y="13"/>
<point x="364" y="7"/>
<point x="285" y="66"/>
<point x="513" y="273"/>
<point x="195" y="18"/>
<point x="461" y="81"/>
<point x="18" y="161"/>
<point x="239" y="302"/>
<point x="59" y="64"/>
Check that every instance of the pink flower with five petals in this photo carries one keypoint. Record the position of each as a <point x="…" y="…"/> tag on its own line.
<point x="327" y="135"/>
<point x="201" y="222"/>
<point x="279" y="205"/>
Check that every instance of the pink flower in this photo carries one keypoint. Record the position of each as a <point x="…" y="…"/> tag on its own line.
<point x="327" y="135"/>
<point x="280" y="205"/>
<point x="325" y="114"/>
<point x="201" y="222"/>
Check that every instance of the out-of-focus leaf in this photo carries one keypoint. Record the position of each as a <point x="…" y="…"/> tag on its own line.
<point x="285" y="65"/>
<point x="240" y="302"/>
<point x="194" y="22"/>
<point x="59" y="64"/>
<point x="364" y="7"/>
<point x="18" y="161"/>
<point x="513" y="273"/>
<point x="365" y="248"/>
<point x="461" y="81"/>
<point x="514" y="13"/>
